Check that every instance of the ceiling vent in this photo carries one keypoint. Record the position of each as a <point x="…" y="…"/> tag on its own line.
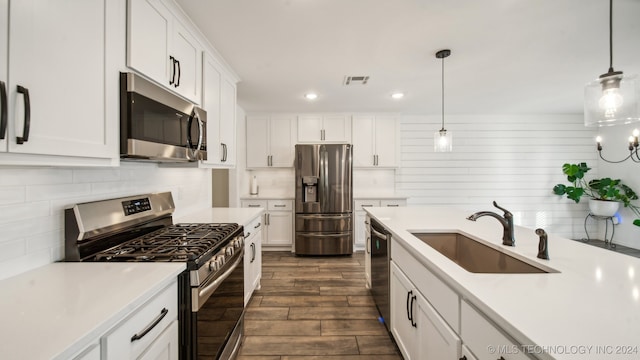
<point x="352" y="80"/>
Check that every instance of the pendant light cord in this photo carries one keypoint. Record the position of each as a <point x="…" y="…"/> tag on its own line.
<point x="443" y="93"/>
<point x="610" y="36"/>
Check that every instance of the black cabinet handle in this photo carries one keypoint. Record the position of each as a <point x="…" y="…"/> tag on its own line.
<point x="150" y="327"/>
<point x="3" y="109"/>
<point x="464" y="357"/>
<point x="178" y="82"/>
<point x="408" y="299"/>
<point x="413" y="323"/>
<point x="27" y="116"/>
<point x="173" y="70"/>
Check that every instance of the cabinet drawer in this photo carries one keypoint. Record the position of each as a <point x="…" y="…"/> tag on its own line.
<point x="478" y="333"/>
<point x="118" y="344"/>
<point x="254" y="204"/>
<point x="439" y="294"/>
<point x="393" y="202"/>
<point x="252" y="228"/>
<point x="285" y="205"/>
<point x="363" y="203"/>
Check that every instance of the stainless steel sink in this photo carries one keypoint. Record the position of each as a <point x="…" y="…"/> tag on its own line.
<point x="476" y="257"/>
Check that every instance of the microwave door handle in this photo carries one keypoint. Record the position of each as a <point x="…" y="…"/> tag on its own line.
<point x="200" y="135"/>
<point x="191" y="153"/>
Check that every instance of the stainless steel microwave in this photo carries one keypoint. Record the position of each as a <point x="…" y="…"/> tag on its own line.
<point x="156" y="125"/>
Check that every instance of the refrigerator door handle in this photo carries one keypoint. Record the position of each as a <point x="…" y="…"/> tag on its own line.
<point x="321" y="216"/>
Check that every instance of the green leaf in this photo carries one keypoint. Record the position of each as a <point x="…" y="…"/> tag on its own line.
<point x="636" y="222"/>
<point x="560" y="189"/>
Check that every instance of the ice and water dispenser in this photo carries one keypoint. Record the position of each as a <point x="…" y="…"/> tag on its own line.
<point x="310" y="189"/>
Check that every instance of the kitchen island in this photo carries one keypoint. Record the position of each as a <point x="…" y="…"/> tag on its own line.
<point x="587" y="307"/>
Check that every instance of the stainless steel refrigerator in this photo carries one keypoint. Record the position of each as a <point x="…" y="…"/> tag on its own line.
<point x="324" y="199"/>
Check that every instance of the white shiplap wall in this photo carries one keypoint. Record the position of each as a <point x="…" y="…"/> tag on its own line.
<point x="32" y="203"/>
<point x="514" y="160"/>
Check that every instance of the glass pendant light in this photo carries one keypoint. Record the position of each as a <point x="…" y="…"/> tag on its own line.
<point x="612" y="99"/>
<point x="443" y="139"/>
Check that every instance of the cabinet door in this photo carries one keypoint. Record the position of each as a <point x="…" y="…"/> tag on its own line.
<point x="281" y="141"/>
<point x="337" y="128"/>
<point x="187" y="51"/>
<point x="479" y="333"/>
<point x="402" y="306"/>
<point x="211" y="80"/>
<point x="257" y="141"/>
<point x="148" y="39"/>
<point x="436" y="340"/>
<point x="386" y="141"/>
<point x="92" y="352"/>
<point x="257" y="259"/>
<point x="363" y="147"/>
<point x="228" y="121"/>
<point x="310" y="128"/>
<point x="165" y="347"/>
<point x="467" y="354"/>
<point x="58" y="51"/>
<point x="279" y="228"/>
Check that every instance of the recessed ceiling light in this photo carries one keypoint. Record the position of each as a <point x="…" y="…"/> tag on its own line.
<point x="311" y="96"/>
<point x="397" y="95"/>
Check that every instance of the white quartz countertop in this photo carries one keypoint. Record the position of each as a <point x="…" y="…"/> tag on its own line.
<point x="57" y="310"/>
<point x="589" y="309"/>
<point x="241" y="216"/>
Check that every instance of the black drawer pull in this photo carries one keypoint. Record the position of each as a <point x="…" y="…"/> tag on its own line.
<point x="150" y="327"/>
<point x="257" y="226"/>
<point x="3" y="110"/>
<point x="464" y="357"/>
<point x="27" y="116"/>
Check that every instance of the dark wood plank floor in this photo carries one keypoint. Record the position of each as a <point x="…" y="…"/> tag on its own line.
<point x="312" y="308"/>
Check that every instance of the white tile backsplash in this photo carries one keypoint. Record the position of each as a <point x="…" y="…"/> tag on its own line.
<point x="32" y="203"/>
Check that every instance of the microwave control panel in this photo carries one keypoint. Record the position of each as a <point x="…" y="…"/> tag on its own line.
<point x="136" y="206"/>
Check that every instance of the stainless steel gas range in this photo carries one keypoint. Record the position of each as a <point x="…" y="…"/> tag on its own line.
<point x="140" y="228"/>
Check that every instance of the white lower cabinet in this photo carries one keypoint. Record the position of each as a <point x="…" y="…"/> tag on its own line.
<point x="252" y="257"/>
<point x="150" y="332"/>
<point x="486" y="340"/>
<point x="277" y="220"/>
<point x="417" y="328"/>
<point x="467" y="354"/>
<point x="166" y="345"/>
<point x="92" y="352"/>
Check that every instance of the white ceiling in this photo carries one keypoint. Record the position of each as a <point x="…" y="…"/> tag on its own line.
<point x="508" y="56"/>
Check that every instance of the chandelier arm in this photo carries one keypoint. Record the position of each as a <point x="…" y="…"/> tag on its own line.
<point x="637" y="158"/>
<point x="630" y="156"/>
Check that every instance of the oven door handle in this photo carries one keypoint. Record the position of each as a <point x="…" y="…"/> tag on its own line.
<point x="205" y="293"/>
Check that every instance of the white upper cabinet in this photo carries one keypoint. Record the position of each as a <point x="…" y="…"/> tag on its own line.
<point x="62" y="98"/>
<point x="375" y="141"/>
<point x="270" y="141"/>
<point x="324" y="128"/>
<point x="163" y="49"/>
<point x="219" y="100"/>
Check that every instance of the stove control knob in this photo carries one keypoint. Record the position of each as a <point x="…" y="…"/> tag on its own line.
<point x="213" y="265"/>
<point x="229" y="250"/>
<point x="237" y="243"/>
<point x="221" y="260"/>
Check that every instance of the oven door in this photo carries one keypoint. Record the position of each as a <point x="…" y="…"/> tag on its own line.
<point x="217" y="312"/>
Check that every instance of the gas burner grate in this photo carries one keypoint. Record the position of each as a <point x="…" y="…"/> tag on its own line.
<point x="179" y="242"/>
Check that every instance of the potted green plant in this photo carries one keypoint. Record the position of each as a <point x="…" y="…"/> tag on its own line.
<point x="602" y="193"/>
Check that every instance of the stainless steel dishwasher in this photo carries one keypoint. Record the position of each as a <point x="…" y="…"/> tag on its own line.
<point x="380" y="248"/>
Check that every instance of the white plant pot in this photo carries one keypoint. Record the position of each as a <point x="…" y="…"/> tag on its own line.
<point x="603" y="207"/>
